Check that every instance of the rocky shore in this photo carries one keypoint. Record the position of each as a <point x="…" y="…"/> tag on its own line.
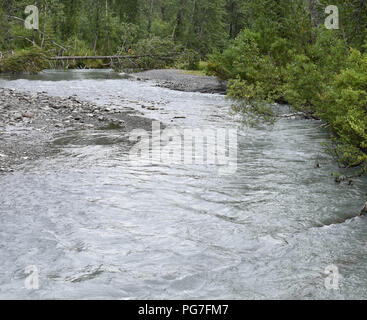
<point x="30" y="122"/>
<point x="180" y="80"/>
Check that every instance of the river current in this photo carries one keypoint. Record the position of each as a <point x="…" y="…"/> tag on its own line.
<point x="97" y="227"/>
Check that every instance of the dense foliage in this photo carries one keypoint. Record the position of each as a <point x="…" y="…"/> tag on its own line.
<point x="31" y="60"/>
<point x="108" y="27"/>
<point x="285" y="54"/>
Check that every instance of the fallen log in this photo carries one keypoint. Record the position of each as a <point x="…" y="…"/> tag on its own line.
<point x="60" y="58"/>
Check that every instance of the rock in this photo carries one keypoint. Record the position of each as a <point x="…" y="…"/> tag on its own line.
<point x="18" y="117"/>
<point x="44" y="118"/>
<point x="340" y="179"/>
<point x="27" y="115"/>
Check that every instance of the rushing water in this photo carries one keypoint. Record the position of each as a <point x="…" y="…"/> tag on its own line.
<point x="98" y="227"/>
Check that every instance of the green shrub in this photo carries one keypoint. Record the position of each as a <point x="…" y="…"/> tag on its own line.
<point x="32" y="60"/>
<point x="345" y="108"/>
<point x="239" y="59"/>
<point x="188" y="60"/>
<point x="309" y="75"/>
<point x="322" y="78"/>
<point x="203" y="66"/>
<point x="255" y="79"/>
<point x="303" y="84"/>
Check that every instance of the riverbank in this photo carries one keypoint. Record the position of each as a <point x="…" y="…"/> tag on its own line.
<point x="30" y="122"/>
<point x="180" y="80"/>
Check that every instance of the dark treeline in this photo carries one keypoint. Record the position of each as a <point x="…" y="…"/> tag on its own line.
<point x="108" y="26"/>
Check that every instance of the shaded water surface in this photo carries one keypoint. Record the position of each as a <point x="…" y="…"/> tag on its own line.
<point x="98" y="227"/>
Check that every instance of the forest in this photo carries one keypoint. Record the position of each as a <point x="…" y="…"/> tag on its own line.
<point x="268" y="51"/>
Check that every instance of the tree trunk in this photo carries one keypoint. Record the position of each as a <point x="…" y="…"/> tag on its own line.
<point x="312" y="6"/>
<point x="192" y="22"/>
<point x="179" y="21"/>
<point x="151" y="7"/>
<point x="45" y="8"/>
<point x="107" y="27"/>
<point x="96" y="30"/>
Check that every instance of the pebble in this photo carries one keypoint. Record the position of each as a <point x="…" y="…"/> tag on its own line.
<point x="17" y="116"/>
<point x="27" y="115"/>
<point x="43" y="114"/>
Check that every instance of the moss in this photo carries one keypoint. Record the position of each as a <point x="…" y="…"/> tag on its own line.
<point x="112" y="126"/>
<point x="194" y="72"/>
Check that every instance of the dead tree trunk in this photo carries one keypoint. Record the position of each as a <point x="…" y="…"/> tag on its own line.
<point x="312" y="7"/>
